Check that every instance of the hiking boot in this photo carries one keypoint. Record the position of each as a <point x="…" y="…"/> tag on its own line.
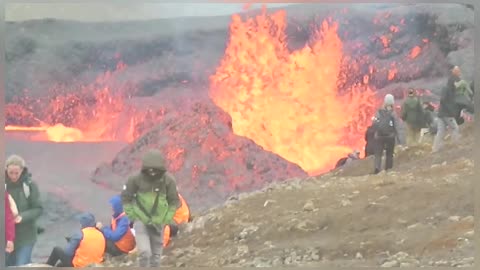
<point x="155" y="260"/>
<point x="142" y="260"/>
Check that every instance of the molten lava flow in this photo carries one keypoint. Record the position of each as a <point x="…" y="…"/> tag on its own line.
<point x="289" y="102"/>
<point x="91" y="114"/>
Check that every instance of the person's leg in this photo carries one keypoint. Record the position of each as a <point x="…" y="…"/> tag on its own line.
<point x="441" y="130"/>
<point x="389" y="149"/>
<point x="10" y="259"/>
<point x="416" y="135"/>
<point x="156" y="244"/>
<point x="65" y="260"/>
<point x="452" y="123"/>
<point x="23" y="255"/>
<point x="410" y="135"/>
<point x="143" y="244"/>
<point x="112" y="249"/>
<point x="54" y="256"/>
<point x="379" y="146"/>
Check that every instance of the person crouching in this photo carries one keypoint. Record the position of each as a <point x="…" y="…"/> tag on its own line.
<point x="119" y="236"/>
<point x="84" y="248"/>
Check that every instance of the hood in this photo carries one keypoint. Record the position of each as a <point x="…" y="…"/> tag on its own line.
<point x="116" y="203"/>
<point x="389" y="100"/>
<point x="86" y="220"/>
<point x="153" y="159"/>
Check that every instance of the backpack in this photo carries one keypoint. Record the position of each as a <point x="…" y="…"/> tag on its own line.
<point x="385" y="124"/>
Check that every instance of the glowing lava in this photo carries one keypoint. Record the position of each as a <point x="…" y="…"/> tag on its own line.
<point x="289" y="102"/>
<point x="89" y="114"/>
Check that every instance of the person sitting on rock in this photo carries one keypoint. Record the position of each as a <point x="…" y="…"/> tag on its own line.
<point x="120" y="239"/>
<point x="349" y="158"/>
<point x="84" y="248"/>
<point x="151" y="198"/>
<point x="182" y="215"/>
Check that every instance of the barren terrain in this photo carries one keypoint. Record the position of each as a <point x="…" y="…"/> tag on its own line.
<point x="419" y="214"/>
<point x="126" y="87"/>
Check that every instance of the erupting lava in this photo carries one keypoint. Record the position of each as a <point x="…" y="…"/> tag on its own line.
<point x="289" y="102"/>
<point x="89" y="114"/>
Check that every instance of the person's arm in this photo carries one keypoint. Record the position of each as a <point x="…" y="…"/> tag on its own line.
<point x="36" y="209"/>
<point x="9" y="221"/>
<point x="73" y="244"/>
<point x="123" y="225"/>
<point x="404" y="112"/>
<point x="128" y="196"/>
<point x="172" y="197"/>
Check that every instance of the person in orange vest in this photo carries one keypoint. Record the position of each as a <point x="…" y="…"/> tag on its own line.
<point x="84" y="248"/>
<point x="182" y="215"/>
<point x="120" y="239"/>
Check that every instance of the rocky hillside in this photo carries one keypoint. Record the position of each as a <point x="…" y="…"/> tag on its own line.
<point x="419" y="214"/>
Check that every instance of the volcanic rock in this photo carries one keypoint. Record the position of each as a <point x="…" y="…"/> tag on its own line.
<point x="209" y="162"/>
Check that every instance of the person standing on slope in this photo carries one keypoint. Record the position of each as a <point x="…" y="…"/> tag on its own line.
<point x="385" y="125"/>
<point x="447" y="112"/>
<point x="26" y="195"/>
<point x="413" y="115"/>
<point x="150" y="197"/>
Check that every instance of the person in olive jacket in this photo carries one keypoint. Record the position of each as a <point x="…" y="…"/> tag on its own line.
<point x="26" y="195"/>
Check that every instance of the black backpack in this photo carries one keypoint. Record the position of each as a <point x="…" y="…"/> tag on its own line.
<point x="385" y="124"/>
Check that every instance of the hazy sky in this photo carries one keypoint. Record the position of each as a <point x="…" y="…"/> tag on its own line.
<point x="114" y="12"/>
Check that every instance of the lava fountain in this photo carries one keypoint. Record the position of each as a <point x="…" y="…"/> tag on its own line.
<point x="290" y="103"/>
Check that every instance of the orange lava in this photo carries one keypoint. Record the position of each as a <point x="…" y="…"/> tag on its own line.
<point x="415" y="52"/>
<point x="91" y="114"/>
<point x="289" y="102"/>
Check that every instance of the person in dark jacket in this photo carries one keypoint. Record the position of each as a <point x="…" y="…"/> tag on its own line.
<point x="120" y="239"/>
<point x="386" y="133"/>
<point x="447" y="112"/>
<point x="26" y="195"/>
<point x="370" y="141"/>
<point x="9" y="228"/>
<point x="151" y="198"/>
<point x="84" y="248"/>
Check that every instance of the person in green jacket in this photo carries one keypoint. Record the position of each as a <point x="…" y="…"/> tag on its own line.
<point x="150" y="200"/>
<point x="26" y="195"/>
<point x="414" y="117"/>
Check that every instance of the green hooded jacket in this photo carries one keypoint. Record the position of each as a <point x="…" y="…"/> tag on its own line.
<point x="138" y="195"/>
<point x="413" y="113"/>
<point x="30" y="209"/>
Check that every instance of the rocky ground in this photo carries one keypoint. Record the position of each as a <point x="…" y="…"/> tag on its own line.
<point x="419" y="214"/>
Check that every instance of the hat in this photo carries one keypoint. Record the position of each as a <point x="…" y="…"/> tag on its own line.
<point x="389" y="100"/>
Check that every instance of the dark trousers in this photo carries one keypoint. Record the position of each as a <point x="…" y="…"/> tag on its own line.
<point x="58" y="254"/>
<point x="369" y="149"/>
<point x="113" y="250"/>
<point x="386" y="144"/>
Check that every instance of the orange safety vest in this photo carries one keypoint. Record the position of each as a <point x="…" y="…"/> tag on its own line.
<point x="182" y="215"/>
<point x="127" y="242"/>
<point x="91" y="249"/>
